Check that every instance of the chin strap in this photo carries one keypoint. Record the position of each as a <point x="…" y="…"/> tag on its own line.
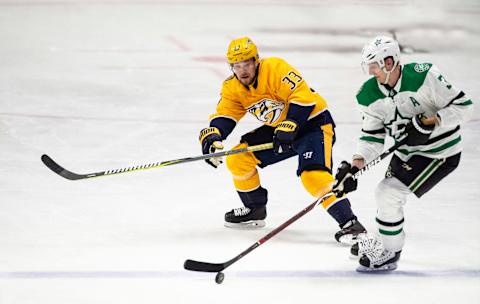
<point x="389" y="72"/>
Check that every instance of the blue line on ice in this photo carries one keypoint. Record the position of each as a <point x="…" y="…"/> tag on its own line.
<point x="459" y="273"/>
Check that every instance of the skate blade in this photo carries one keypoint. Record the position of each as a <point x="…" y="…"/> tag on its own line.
<point x="246" y="225"/>
<point x="383" y="269"/>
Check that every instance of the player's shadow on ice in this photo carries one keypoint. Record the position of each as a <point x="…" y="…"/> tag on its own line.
<point x="297" y="236"/>
<point x="291" y="236"/>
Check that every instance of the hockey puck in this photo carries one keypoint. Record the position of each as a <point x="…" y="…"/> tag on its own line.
<point x="219" y="278"/>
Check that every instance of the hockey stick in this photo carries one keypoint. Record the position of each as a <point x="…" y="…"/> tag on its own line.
<point x="52" y="165"/>
<point x="378" y="159"/>
<point x="219" y="267"/>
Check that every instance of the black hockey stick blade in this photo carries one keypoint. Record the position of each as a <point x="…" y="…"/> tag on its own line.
<point x="203" y="266"/>
<point x="52" y="165"/>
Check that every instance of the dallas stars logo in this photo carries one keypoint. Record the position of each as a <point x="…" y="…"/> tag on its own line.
<point x="396" y="126"/>
<point x="378" y="42"/>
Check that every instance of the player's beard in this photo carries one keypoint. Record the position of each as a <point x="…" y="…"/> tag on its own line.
<point x="247" y="80"/>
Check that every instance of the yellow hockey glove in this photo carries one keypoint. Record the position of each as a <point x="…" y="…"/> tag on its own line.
<point x="284" y="135"/>
<point x="211" y="141"/>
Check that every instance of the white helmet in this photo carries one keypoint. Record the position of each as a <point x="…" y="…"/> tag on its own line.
<point x="377" y="50"/>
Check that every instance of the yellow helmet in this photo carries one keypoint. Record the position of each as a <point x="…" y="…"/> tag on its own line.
<point x="241" y="49"/>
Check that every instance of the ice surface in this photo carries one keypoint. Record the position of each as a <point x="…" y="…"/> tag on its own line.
<point x="107" y="84"/>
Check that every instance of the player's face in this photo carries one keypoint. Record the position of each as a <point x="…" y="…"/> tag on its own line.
<point x="375" y="70"/>
<point x="245" y="70"/>
<point x="380" y="74"/>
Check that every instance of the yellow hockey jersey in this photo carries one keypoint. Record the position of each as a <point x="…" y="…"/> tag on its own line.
<point x="277" y="86"/>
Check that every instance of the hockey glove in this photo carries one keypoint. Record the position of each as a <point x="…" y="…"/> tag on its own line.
<point x="211" y="141"/>
<point x="283" y="136"/>
<point x="417" y="132"/>
<point x="344" y="182"/>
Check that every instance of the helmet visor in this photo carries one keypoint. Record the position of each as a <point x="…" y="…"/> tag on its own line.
<point x="371" y="68"/>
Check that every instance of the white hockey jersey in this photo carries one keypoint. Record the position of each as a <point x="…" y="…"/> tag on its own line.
<point x="421" y="89"/>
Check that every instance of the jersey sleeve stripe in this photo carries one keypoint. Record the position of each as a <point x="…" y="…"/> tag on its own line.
<point x="373" y="139"/>
<point x="434" y="150"/>
<point x="303" y="104"/>
<point x="445" y="146"/>
<point x="465" y="103"/>
<point x="460" y="95"/>
<point x="373" y="132"/>
<point x="224" y="124"/>
<point x="442" y="136"/>
<point x="223" y="116"/>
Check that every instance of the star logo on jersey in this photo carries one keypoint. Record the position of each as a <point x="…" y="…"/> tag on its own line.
<point x="396" y="126"/>
<point x="378" y="42"/>
<point x="267" y="110"/>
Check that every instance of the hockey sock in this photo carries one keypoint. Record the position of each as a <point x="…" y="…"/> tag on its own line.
<point x="340" y="210"/>
<point x="392" y="234"/>
<point x="254" y="198"/>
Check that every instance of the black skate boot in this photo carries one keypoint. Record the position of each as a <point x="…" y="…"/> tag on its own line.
<point x="350" y="232"/>
<point x="354" y="250"/>
<point x="379" y="262"/>
<point x="246" y="218"/>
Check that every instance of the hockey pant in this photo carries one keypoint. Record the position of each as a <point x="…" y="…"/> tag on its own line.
<point x="418" y="175"/>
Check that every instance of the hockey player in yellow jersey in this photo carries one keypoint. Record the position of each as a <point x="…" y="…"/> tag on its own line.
<point x="295" y="118"/>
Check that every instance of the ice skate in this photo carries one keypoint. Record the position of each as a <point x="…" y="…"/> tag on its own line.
<point x="350" y="232"/>
<point x="354" y="251"/>
<point x="365" y="243"/>
<point x="246" y="218"/>
<point x="383" y="262"/>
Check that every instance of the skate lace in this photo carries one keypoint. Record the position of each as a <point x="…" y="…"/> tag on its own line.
<point x="379" y="258"/>
<point x="370" y="244"/>
<point x="241" y="211"/>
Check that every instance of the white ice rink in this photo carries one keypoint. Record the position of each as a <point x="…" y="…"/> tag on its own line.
<point x="104" y="84"/>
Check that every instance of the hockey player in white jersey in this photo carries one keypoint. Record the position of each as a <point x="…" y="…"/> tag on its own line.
<point x="416" y="104"/>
